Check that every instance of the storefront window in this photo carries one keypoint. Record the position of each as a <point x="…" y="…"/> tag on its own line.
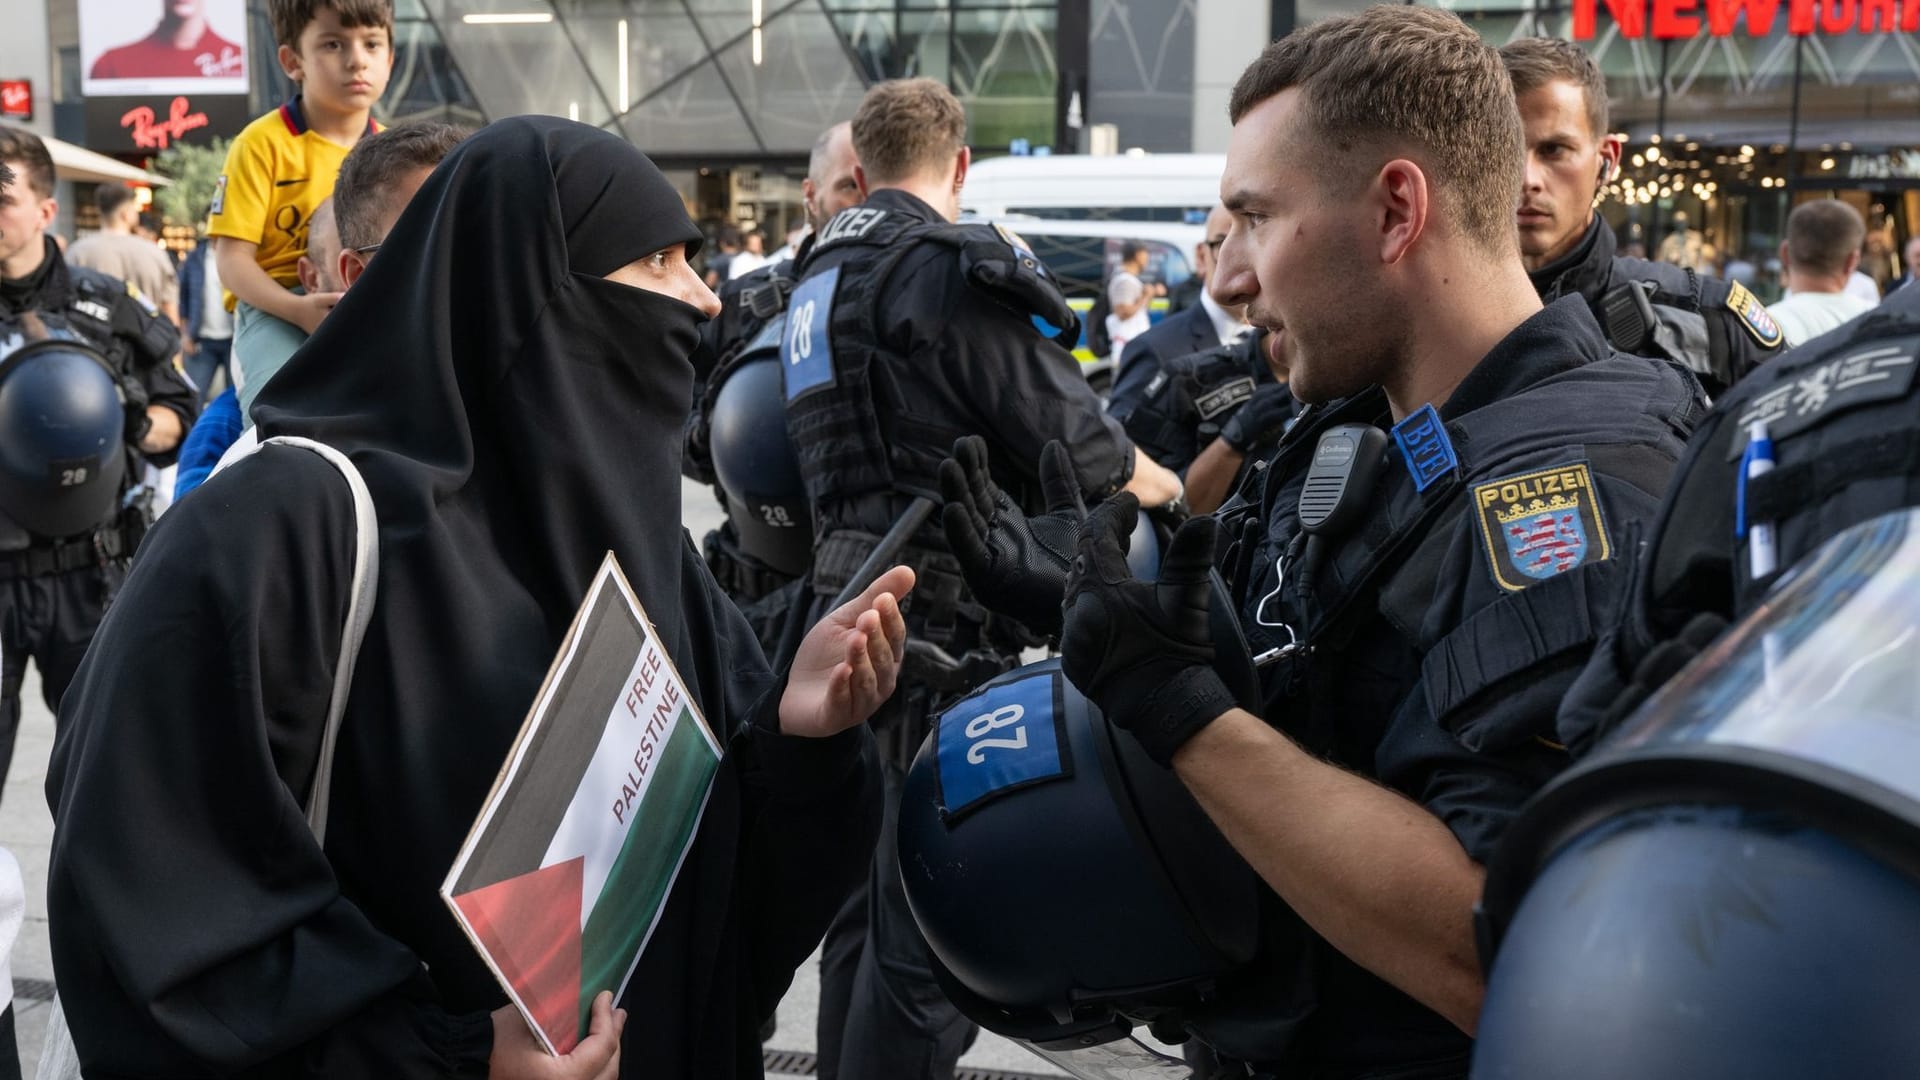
<point x="1725" y="133"/>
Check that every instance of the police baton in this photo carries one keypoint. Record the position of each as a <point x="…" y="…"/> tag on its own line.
<point x="884" y="553"/>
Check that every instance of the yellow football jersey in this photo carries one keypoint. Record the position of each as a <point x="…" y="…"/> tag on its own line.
<point x="278" y="170"/>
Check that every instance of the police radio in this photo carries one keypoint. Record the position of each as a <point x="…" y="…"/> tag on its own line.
<point x="1345" y="468"/>
<point x="1629" y="315"/>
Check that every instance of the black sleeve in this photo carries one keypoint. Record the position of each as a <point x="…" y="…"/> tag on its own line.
<point x="1165" y="425"/>
<point x="1685" y="568"/>
<point x="1477" y="736"/>
<point x="197" y="926"/>
<point x="1735" y="348"/>
<point x="166" y="386"/>
<point x="810" y="812"/>
<point x="1138" y="365"/>
<point x="1020" y="388"/>
<point x="151" y="336"/>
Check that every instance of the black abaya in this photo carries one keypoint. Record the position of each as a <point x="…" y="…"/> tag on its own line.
<point x="515" y="417"/>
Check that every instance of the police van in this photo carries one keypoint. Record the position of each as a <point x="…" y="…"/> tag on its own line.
<point x="1171" y="188"/>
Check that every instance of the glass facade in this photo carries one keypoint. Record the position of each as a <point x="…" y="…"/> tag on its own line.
<point x="1725" y="134"/>
<point x="719" y="82"/>
<point x="729" y="95"/>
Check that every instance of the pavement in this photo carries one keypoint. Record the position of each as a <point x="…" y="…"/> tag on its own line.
<point x="26" y="829"/>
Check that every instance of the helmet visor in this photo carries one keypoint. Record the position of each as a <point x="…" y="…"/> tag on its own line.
<point x="1826" y="670"/>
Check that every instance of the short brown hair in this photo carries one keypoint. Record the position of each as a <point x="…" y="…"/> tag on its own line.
<point x="1398" y="74"/>
<point x="1534" y="62"/>
<point x="362" y="191"/>
<point x="23" y="150"/>
<point x="290" y="17"/>
<point x="906" y="126"/>
<point x="111" y="196"/>
<point x="1821" y="235"/>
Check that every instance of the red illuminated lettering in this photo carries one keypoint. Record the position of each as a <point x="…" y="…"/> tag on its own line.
<point x="153" y="134"/>
<point x="1682" y="19"/>
<point x="1760" y="13"/>
<point x="1671" y="18"/>
<point x="1629" y="15"/>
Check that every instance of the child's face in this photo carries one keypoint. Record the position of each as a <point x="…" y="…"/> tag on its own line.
<point x="340" y="67"/>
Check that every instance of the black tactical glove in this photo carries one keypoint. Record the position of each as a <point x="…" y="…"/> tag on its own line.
<point x="1015" y="564"/>
<point x="1143" y="651"/>
<point x="1261" y="420"/>
<point x="134" y="399"/>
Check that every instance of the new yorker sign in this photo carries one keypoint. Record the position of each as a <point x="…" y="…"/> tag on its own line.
<point x="1671" y="19"/>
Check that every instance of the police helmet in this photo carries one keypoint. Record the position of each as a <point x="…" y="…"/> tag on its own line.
<point x="1067" y="886"/>
<point x="1730" y="885"/>
<point x="1143" y="548"/>
<point x="62" y="422"/>
<point x="758" y="470"/>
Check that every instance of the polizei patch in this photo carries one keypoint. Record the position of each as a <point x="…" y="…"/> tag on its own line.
<point x="1753" y="315"/>
<point x="1540" y="524"/>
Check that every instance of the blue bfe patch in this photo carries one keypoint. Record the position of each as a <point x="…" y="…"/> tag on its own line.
<point x="806" y="352"/>
<point x="1006" y="737"/>
<point x="1540" y="524"/>
<point x="1423" y="441"/>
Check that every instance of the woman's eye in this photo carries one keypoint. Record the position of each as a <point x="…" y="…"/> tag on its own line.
<point x="659" y="260"/>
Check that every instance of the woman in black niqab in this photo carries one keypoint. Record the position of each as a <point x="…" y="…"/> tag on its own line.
<point x="516" y="413"/>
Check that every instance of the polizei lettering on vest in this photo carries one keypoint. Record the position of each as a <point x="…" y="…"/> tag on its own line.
<point x="851" y="224"/>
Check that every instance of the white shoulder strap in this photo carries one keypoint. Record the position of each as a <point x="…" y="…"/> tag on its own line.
<point x="366" y="581"/>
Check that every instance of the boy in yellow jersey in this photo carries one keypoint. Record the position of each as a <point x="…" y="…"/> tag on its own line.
<point x="339" y="55"/>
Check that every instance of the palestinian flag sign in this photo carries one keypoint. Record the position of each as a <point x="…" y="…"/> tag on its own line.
<point x="564" y="875"/>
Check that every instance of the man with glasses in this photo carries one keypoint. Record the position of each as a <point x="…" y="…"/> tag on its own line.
<point x="376" y="182"/>
<point x="1206" y="325"/>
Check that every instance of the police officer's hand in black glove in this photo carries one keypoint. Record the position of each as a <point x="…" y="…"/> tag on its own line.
<point x="1015" y="564"/>
<point x="1143" y="651"/>
<point x="1262" y="420"/>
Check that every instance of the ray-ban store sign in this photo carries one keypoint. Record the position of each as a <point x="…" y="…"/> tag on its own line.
<point x="1681" y="19"/>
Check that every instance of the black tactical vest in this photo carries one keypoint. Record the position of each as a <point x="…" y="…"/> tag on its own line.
<point x="833" y="341"/>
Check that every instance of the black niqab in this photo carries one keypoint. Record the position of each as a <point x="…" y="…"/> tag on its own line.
<point x="516" y="417"/>
<point x="514" y="414"/>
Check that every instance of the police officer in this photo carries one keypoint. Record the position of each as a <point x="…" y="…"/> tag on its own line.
<point x="1835" y="420"/>
<point x="56" y="587"/>
<point x="1421" y="567"/>
<point x="763" y="545"/>
<point x="904" y="333"/>
<point x="1718" y="329"/>
<point x="1787" y="781"/>
<point x="1212" y="415"/>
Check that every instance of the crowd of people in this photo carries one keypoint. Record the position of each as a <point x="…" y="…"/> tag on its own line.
<point x="1405" y="508"/>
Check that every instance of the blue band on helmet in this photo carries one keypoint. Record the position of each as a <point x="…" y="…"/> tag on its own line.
<point x="1007" y="736"/>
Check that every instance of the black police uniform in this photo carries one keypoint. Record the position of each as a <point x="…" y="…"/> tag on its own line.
<point x="904" y="333"/>
<point x="1717" y="329"/>
<point x="1843" y="414"/>
<point x="1430" y="646"/>
<point x="746" y="329"/>
<point x="56" y="589"/>
<point x="1189" y="400"/>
